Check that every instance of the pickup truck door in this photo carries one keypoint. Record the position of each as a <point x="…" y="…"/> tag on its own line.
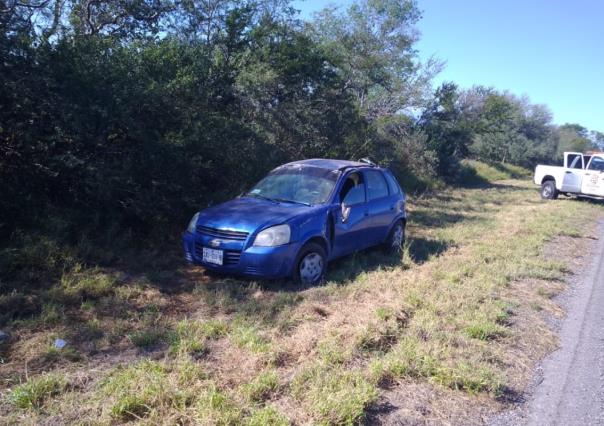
<point x="573" y="175"/>
<point x="593" y="181"/>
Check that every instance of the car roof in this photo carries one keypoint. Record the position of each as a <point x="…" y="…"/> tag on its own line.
<point x="329" y="164"/>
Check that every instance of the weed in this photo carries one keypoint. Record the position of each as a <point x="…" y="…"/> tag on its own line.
<point x="384" y="313"/>
<point x="90" y="284"/>
<point x="214" y="329"/>
<point x="332" y="351"/>
<point x="246" y="336"/>
<point x="261" y="386"/>
<point x="267" y="416"/>
<point x="216" y="407"/>
<point x="147" y="338"/>
<point x="137" y="390"/>
<point x="485" y="330"/>
<point x="34" y="393"/>
<point x="188" y="338"/>
<point x="68" y="353"/>
<point x="336" y="395"/>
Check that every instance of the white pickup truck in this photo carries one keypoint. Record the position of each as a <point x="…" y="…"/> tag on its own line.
<point x="582" y="174"/>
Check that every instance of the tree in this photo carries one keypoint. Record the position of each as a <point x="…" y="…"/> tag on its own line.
<point x="371" y="47"/>
<point x="447" y="130"/>
<point x="573" y="137"/>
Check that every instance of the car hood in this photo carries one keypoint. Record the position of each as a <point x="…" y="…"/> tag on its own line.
<point x="250" y="214"/>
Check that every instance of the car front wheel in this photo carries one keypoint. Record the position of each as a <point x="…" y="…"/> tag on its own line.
<point x="311" y="264"/>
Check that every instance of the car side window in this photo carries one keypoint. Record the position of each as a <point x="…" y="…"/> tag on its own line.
<point x="392" y="184"/>
<point x="596" y="164"/>
<point x="376" y="185"/>
<point x="353" y="190"/>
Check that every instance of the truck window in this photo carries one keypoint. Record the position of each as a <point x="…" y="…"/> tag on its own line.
<point x="596" y="163"/>
<point x="576" y="163"/>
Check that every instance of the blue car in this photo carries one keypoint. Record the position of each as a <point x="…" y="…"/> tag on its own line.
<point x="298" y="218"/>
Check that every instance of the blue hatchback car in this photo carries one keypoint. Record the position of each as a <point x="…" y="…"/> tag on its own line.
<point x="298" y="218"/>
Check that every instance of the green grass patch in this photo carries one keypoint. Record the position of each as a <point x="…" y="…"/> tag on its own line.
<point x="247" y="336"/>
<point x="261" y="387"/>
<point x="217" y="407"/>
<point x="139" y="390"/>
<point x="145" y="339"/>
<point x="334" y="394"/>
<point x="36" y="391"/>
<point x="477" y="172"/>
<point x="267" y="416"/>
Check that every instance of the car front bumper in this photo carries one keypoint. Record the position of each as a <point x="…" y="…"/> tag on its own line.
<point x="261" y="262"/>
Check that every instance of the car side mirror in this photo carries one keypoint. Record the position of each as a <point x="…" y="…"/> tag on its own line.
<point x="345" y="213"/>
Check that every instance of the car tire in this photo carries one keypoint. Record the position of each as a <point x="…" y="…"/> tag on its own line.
<point x="548" y="190"/>
<point x="311" y="264"/>
<point x="396" y="239"/>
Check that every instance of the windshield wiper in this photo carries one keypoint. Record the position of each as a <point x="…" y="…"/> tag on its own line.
<point x="284" y="200"/>
<point x="249" y="194"/>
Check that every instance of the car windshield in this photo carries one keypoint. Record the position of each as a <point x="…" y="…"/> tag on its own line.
<point x="297" y="184"/>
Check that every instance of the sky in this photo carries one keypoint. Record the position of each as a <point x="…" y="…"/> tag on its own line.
<point x="552" y="51"/>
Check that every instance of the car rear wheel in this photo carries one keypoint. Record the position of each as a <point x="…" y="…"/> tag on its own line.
<point x="548" y="190"/>
<point x="396" y="238"/>
<point x="310" y="265"/>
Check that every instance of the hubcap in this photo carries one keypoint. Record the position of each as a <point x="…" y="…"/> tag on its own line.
<point x="311" y="268"/>
<point x="547" y="191"/>
<point x="397" y="237"/>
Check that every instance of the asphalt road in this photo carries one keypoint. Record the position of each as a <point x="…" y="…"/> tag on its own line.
<point x="572" y="390"/>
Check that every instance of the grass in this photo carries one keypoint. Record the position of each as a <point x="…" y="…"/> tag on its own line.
<point x="261" y="386"/>
<point x="334" y="394"/>
<point x="36" y="392"/>
<point x="477" y="172"/>
<point x="459" y="314"/>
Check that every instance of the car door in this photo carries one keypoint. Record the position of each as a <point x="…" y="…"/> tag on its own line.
<point x="593" y="180"/>
<point x="380" y="205"/>
<point x="573" y="176"/>
<point x="351" y="217"/>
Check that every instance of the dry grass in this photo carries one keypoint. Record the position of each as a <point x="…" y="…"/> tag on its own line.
<point x="448" y="333"/>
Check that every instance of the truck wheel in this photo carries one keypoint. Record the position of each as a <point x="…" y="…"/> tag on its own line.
<point x="311" y="264"/>
<point x="548" y="190"/>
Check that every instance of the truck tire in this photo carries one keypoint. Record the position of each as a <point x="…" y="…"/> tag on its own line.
<point x="548" y="190"/>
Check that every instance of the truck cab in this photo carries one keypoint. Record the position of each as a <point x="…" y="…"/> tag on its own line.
<point x="582" y="174"/>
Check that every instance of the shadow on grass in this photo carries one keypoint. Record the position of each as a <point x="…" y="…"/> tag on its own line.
<point x="435" y="217"/>
<point x="422" y="249"/>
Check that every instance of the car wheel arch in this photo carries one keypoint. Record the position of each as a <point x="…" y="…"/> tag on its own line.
<point x="318" y="240"/>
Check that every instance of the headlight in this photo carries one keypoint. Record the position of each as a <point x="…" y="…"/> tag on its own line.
<point x="274" y="236"/>
<point x="193" y="223"/>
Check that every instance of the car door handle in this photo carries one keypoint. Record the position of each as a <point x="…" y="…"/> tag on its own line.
<point x="366" y="214"/>
<point x="568" y="173"/>
<point x="587" y="174"/>
<point x="392" y="207"/>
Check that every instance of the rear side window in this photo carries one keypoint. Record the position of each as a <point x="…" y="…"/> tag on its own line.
<point x="392" y="184"/>
<point x="376" y="185"/>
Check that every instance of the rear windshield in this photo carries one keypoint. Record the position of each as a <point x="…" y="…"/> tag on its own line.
<point x="297" y="183"/>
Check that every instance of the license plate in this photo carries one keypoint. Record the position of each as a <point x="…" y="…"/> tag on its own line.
<point x="212" y="256"/>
